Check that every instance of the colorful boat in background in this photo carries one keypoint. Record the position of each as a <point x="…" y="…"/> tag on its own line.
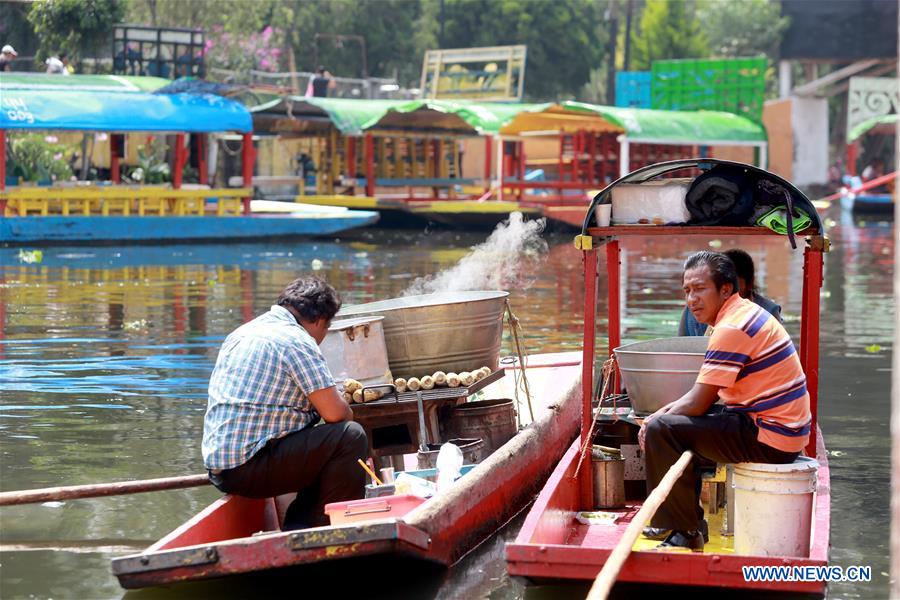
<point x="870" y="197"/>
<point x="554" y="545"/>
<point x="468" y="164"/>
<point x="116" y="107"/>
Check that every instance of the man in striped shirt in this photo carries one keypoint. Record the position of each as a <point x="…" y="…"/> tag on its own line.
<point x="752" y="366"/>
<point x="267" y="392"/>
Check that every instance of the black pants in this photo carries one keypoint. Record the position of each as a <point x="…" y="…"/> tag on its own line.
<point x="724" y="437"/>
<point x="319" y="463"/>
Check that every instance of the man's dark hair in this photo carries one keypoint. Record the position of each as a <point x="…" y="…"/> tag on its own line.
<point x="62" y="55"/>
<point x="720" y="266"/>
<point x="312" y="298"/>
<point x="743" y="265"/>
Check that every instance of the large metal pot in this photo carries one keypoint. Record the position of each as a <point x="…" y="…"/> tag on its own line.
<point x="354" y="348"/>
<point x="656" y="372"/>
<point x="447" y="331"/>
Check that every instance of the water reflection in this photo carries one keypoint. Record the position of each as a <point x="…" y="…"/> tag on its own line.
<point x="105" y="355"/>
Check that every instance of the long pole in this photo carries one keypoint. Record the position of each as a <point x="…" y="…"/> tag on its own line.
<point x="98" y="490"/>
<point x="607" y="575"/>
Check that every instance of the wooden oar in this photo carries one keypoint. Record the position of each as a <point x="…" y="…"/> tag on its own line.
<point x="607" y="575"/>
<point x="97" y="490"/>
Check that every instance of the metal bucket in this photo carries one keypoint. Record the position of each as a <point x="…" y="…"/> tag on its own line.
<point x="471" y="448"/>
<point x="656" y="372"/>
<point x="355" y="348"/>
<point x="494" y="421"/>
<point x="448" y="331"/>
<point x="609" y="483"/>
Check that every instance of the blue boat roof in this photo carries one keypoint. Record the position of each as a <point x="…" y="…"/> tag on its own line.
<point x="112" y="104"/>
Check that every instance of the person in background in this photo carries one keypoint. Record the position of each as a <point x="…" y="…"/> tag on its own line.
<point x="746" y="287"/>
<point x="59" y="65"/>
<point x="322" y="82"/>
<point x="269" y="388"/>
<point x="7" y="55"/>
<point x="874" y="170"/>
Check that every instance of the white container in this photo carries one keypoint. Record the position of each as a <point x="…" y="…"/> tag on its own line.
<point x="355" y="348"/>
<point x="603" y="212"/>
<point x="659" y="202"/>
<point x="773" y="510"/>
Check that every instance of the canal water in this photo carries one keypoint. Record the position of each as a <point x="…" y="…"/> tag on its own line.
<point x="105" y="355"/>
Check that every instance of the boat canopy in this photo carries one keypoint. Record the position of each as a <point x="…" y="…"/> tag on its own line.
<point x="798" y="198"/>
<point x="706" y="127"/>
<point x="113" y="104"/>
<point x="355" y="117"/>
<point x="883" y="124"/>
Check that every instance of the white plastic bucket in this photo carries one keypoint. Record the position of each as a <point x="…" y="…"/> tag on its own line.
<point x="774" y="507"/>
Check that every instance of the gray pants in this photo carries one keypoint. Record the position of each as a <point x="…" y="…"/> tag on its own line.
<point x="319" y="463"/>
<point x="723" y="437"/>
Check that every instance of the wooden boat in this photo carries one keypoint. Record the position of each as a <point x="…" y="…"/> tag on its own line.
<point x="553" y="546"/>
<point x="236" y="535"/>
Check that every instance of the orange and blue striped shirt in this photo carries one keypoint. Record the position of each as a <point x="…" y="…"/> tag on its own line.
<point x="752" y="358"/>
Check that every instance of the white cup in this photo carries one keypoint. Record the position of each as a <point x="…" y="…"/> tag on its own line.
<point x="603" y="213"/>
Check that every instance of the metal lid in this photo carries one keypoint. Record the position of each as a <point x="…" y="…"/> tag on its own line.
<point x="354" y="322"/>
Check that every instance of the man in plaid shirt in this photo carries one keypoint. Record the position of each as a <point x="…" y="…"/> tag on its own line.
<point x="267" y="391"/>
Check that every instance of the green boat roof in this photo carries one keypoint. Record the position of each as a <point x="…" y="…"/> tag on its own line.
<point x="354" y="117"/>
<point x="880" y="122"/>
<point x="89" y="83"/>
<point x="678" y="126"/>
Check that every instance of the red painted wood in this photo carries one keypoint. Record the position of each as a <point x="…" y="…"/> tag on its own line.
<point x="202" y="166"/>
<point x="587" y="364"/>
<point x="809" y="333"/>
<point x="115" y="150"/>
<point x="248" y="156"/>
<point x="227" y="518"/>
<point x="2" y="168"/>
<point x="614" y="326"/>
<point x="370" y="165"/>
<point x="488" y="161"/>
<point x="852" y="153"/>
<point x="682" y="230"/>
<point x="178" y="171"/>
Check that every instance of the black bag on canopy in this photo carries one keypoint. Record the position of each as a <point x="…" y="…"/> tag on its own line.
<point x="721" y="196"/>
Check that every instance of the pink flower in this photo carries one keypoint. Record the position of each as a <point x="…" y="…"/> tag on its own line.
<point x="51" y="139"/>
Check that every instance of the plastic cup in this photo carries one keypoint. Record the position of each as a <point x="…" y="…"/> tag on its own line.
<point x="603" y="213"/>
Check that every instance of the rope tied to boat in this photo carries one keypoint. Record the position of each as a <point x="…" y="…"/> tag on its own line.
<point x="609" y="371"/>
<point x="515" y="328"/>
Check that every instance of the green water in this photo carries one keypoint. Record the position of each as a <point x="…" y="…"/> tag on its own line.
<point x="105" y="355"/>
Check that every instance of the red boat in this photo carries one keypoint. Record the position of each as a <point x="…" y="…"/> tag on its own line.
<point x="553" y="546"/>
<point x="236" y="535"/>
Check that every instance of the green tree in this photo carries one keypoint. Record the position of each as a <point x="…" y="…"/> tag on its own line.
<point x="745" y="28"/>
<point x="668" y="29"/>
<point x="565" y="40"/>
<point x="76" y="26"/>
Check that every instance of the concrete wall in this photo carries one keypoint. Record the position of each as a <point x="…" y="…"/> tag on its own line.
<point x="777" y="121"/>
<point x="809" y="118"/>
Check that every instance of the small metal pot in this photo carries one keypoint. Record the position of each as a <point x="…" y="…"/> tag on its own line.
<point x="355" y="348"/>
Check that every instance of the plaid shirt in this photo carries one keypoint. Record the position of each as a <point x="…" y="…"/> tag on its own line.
<point x="259" y="388"/>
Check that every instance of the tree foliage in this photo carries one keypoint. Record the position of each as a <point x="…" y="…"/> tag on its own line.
<point x="75" y="26"/>
<point x="745" y="28"/>
<point x="668" y="29"/>
<point x="565" y="39"/>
